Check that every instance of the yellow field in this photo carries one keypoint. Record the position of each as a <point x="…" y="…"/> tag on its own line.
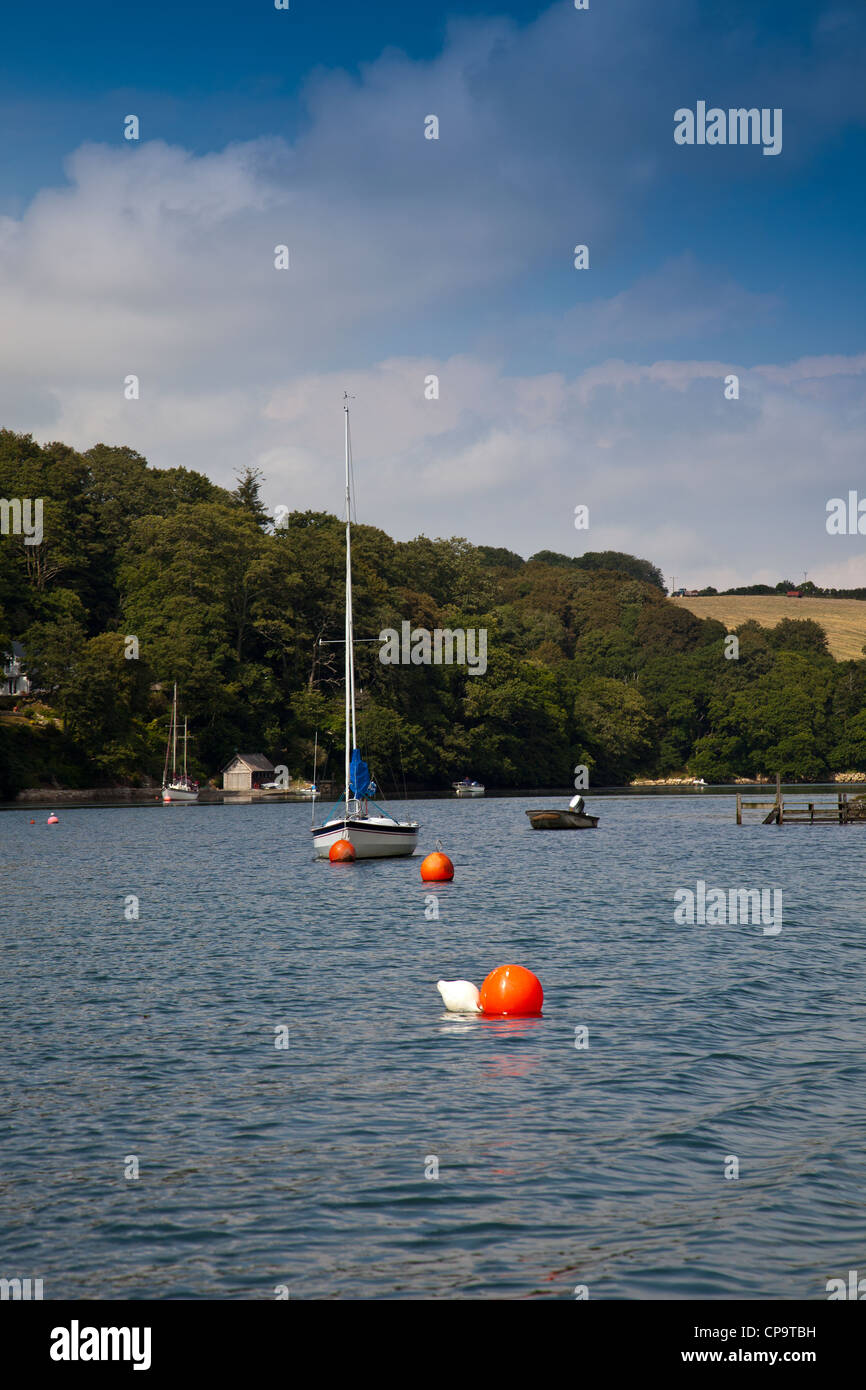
<point x="843" y="619"/>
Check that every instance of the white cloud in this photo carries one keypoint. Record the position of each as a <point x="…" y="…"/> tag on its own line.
<point x="159" y="262"/>
<point x="680" y="300"/>
<point x="847" y="574"/>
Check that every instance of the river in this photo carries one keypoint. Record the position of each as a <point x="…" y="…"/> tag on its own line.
<point x="265" y="1047"/>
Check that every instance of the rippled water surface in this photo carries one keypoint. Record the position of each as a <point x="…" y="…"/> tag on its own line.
<point x="305" y="1166"/>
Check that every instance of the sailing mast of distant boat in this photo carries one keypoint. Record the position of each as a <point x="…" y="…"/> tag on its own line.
<point x="177" y="788"/>
<point x="376" y="836"/>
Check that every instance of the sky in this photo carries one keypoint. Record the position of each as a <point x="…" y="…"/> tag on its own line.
<point x="411" y="258"/>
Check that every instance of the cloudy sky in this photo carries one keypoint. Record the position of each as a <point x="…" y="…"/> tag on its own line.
<point x="411" y="257"/>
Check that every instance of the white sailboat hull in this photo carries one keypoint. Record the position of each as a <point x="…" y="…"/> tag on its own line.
<point x="178" y="794"/>
<point x="371" y="837"/>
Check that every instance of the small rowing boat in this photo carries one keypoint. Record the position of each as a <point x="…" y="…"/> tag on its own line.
<point x="561" y="820"/>
<point x="575" y="818"/>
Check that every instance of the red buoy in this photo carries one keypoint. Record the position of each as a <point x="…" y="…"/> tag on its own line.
<point x="342" y="852"/>
<point x="52" y="819"/>
<point x="437" y="868"/>
<point x="511" y="990"/>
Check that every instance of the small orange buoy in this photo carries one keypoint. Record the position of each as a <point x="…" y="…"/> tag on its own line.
<point x="437" y="868"/>
<point x="342" y="852"/>
<point x="33" y="822"/>
<point x="52" y="819"/>
<point x="511" y="990"/>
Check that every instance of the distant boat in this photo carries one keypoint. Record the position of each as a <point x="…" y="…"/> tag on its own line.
<point x="280" y="789"/>
<point x="575" y="818"/>
<point x="180" y="786"/>
<point x="468" y="788"/>
<point x="377" y="836"/>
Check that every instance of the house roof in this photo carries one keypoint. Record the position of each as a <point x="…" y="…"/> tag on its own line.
<point x="256" y="762"/>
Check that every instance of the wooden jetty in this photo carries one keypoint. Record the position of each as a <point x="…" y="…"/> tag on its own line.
<point x="801" y="810"/>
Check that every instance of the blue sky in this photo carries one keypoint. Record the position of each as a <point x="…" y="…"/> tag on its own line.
<point x="411" y="257"/>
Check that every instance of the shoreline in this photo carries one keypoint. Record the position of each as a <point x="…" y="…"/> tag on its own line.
<point x="835" y="777"/>
<point x="215" y="796"/>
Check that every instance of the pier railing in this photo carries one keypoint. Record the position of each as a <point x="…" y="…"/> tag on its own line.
<point x="799" y="810"/>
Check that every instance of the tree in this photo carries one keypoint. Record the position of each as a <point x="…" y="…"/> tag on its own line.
<point x="798" y="635"/>
<point x="665" y="628"/>
<point x="613" y="726"/>
<point x="247" y="495"/>
<point x="624" y="564"/>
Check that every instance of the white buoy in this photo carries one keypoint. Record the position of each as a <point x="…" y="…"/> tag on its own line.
<point x="459" y="996"/>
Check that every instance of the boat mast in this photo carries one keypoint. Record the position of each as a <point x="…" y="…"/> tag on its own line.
<point x="350" y="663"/>
<point x="184" y="746"/>
<point x="167" y="750"/>
<point x="174" y="735"/>
<point x="315" y="764"/>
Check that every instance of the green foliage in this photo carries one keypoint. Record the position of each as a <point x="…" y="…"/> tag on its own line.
<point x="614" y="727"/>
<point x="798" y="635"/>
<point x="588" y="662"/>
<point x="615" y="560"/>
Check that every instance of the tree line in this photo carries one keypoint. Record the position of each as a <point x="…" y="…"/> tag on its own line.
<point x="588" y="661"/>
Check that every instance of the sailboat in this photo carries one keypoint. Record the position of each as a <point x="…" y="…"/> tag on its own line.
<point x="373" y="835"/>
<point x="180" y="786"/>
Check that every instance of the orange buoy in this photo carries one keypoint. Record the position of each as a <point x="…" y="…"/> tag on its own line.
<point x="52" y="819"/>
<point x="33" y="822"/>
<point x="342" y="852"/>
<point x="511" y="990"/>
<point x="437" y="868"/>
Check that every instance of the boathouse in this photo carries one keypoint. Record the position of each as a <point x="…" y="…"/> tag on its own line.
<point x="246" y="772"/>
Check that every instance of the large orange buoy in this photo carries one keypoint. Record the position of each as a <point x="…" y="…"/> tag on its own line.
<point x="52" y="819"/>
<point x="437" y="868"/>
<point x="342" y="852"/>
<point x="511" y="990"/>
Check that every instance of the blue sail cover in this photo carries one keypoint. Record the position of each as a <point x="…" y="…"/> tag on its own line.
<point x="359" y="776"/>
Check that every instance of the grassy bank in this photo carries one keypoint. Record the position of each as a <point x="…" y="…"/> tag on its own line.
<point x="843" y="619"/>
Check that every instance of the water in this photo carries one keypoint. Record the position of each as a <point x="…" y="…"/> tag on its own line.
<point x="304" y="1167"/>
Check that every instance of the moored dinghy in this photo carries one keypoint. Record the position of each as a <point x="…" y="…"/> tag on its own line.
<point x="575" y="818"/>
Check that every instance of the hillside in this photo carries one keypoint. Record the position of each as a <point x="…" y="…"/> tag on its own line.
<point x="843" y="619"/>
<point x="145" y="577"/>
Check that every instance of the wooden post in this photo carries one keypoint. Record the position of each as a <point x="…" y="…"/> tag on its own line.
<point x="739" y="808"/>
<point x="779" y="798"/>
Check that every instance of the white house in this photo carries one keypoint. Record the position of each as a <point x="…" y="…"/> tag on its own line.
<point x="14" y="681"/>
